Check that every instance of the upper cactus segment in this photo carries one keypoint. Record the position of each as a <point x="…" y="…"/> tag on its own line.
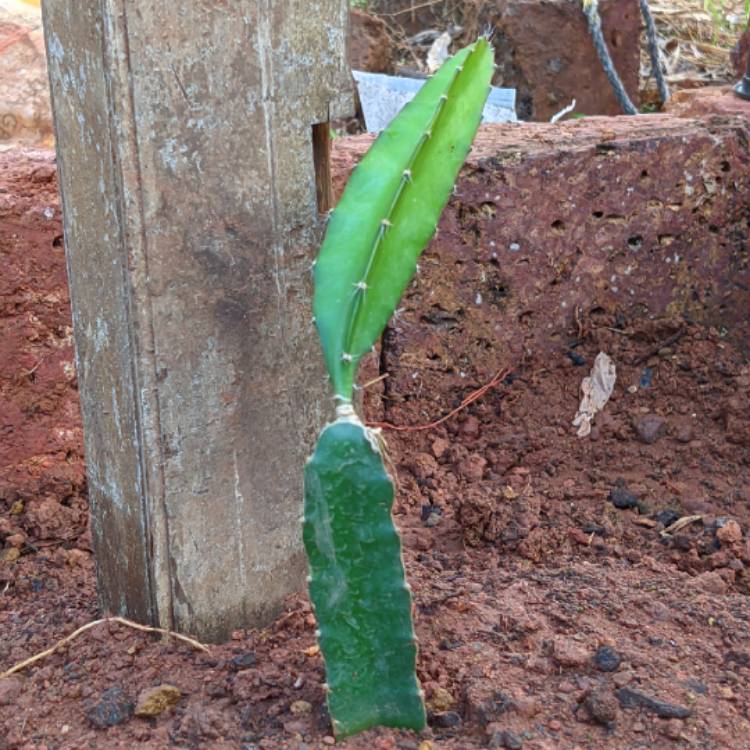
<point x="390" y="210"/>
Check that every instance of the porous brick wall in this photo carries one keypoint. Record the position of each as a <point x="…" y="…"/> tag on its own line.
<point x="551" y="225"/>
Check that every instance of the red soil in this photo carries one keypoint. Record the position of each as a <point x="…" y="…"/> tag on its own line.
<point x="528" y="574"/>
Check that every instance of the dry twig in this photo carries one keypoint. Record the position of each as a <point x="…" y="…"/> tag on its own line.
<point x="374" y="381"/>
<point x="673" y="339"/>
<point x="470" y="399"/>
<point x="680" y="524"/>
<point x="120" y="620"/>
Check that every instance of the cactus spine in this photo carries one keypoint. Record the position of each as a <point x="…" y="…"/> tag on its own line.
<point x="388" y="213"/>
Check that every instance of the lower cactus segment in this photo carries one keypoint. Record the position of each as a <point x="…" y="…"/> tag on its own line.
<point x="357" y="586"/>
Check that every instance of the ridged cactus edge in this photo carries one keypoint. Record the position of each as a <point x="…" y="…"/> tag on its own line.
<point x="357" y="584"/>
<point x="385" y="218"/>
<point x="390" y="210"/>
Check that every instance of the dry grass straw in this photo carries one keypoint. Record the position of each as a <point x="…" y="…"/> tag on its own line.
<point x="697" y="38"/>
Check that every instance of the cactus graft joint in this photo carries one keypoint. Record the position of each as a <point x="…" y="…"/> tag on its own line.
<point x="360" y="597"/>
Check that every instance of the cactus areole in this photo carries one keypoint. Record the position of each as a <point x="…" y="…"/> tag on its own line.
<point x="385" y="218"/>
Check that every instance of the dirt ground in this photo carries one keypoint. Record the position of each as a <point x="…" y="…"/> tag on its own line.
<point x="552" y="608"/>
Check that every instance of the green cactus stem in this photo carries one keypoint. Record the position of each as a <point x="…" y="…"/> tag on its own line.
<point x="390" y="210"/>
<point x="388" y="213"/>
<point x="362" y="602"/>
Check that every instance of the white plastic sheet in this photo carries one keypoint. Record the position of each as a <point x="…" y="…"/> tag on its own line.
<point x="596" y="389"/>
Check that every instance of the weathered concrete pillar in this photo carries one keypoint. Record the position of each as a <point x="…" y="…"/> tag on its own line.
<point x="185" y="142"/>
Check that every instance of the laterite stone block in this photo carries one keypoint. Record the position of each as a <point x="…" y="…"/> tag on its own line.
<point x="544" y="50"/>
<point x="370" y="47"/>
<point x="551" y="225"/>
<point x="543" y="47"/>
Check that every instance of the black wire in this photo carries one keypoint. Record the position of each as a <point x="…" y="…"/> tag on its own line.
<point x="595" y="29"/>
<point x="653" y="51"/>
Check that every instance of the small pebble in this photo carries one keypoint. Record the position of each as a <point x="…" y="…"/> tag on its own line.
<point x="243" y="661"/>
<point x="300" y="708"/>
<point x="154" y="701"/>
<point x="114" y="707"/>
<point x="439" y="447"/>
<point x="446" y="719"/>
<point x="728" y="531"/>
<point x="508" y="740"/>
<point x="569" y="653"/>
<point x="697" y="687"/>
<point x="441" y="700"/>
<point x="527" y="706"/>
<point x="621" y="497"/>
<point x="683" y="431"/>
<point x="601" y="706"/>
<point x="431" y="515"/>
<point x="649" y="428"/>
<point x="576" y="358"/>
<point x="607" y="659"/>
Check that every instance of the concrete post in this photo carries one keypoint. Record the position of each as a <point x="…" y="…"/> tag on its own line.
<point x="185" y="147"/>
